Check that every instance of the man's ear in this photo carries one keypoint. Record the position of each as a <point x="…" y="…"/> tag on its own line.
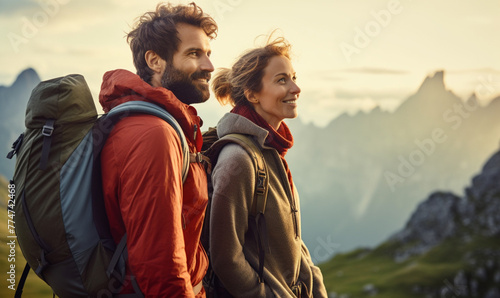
<point x="154" y="61"/>
<point x="251" y="96"/>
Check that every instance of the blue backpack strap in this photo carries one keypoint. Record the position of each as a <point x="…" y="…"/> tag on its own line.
<point x="101" y="131"/>
<point x="143" y="107"/>
<point x="104" y="127"/>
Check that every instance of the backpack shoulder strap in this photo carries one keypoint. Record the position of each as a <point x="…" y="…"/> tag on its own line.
<point x="144" y="107"/>
<point x="261" y="171"/>
<point x="261" y="188"/>
<point x="104" y="126"/>
<point x="260" y="195"/>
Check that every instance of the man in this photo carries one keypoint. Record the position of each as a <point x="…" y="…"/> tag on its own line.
<point x="142" y="158"/>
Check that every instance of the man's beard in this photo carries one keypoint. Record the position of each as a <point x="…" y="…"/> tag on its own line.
<point x="184" y="86"/>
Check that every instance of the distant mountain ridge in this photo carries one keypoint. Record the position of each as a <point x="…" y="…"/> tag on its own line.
<point x="361" y="176"/>
<point x="13" y="100"/>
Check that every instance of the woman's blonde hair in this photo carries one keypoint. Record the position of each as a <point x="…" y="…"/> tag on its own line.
<point x="229" y="85"/>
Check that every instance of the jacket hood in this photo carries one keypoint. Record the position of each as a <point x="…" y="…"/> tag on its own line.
<point x="119" y="86"/>
<point x="234" y="123"/>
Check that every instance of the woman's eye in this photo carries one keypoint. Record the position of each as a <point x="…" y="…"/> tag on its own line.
<point x="282" y="80"/>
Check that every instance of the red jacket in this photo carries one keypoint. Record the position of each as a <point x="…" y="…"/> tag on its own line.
<point x="144" y="193"/>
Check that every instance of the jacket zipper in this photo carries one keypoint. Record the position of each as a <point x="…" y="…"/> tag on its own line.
<point x="291" y="197"/>
<point x="294" y="215"/>
<point x="294" y="211"/>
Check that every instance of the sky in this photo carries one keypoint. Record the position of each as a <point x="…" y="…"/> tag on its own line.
<point x="350" y="56"/>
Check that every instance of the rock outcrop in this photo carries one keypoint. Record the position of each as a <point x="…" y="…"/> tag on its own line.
<point x="447" y="216"/>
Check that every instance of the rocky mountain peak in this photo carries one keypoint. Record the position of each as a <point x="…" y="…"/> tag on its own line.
<point x="435" y="81"/>
<point x="430" y="100"/>
<point x="444" y="215"/>
<point x="434" y="220"/>
<point x="13" y="100"/>
<point x="472" y="101"/>
<point x="27" y="77"/>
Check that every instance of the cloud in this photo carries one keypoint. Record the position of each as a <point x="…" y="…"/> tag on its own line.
<point x="376" y="71"/>
<point x="377" y="95"/>
<point x="324" y="75"/>
<point x="335" y="75"/>
<point x="474" y="71"/>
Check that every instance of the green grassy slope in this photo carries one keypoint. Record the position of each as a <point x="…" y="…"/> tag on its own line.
<point x="349" y="273"/>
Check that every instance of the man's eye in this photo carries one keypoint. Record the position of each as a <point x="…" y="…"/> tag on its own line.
<point x="193" y="54"/>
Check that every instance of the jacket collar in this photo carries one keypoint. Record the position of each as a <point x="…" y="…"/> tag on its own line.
<point x="234" y="123"/>
<point x="121" y="86"/>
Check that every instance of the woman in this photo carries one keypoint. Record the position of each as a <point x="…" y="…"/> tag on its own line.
<point x="261" y="86"/>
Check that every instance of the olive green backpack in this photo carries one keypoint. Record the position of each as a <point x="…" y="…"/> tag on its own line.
<point x="60" y="219"/>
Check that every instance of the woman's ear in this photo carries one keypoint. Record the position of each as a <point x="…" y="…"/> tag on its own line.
<point x="154" y="61"/>
<point x="250" y="95"/>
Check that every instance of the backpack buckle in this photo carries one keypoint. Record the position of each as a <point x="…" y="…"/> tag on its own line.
<point x="15" y="147"/>
<point x="47" y="130"/>
<point x="42" y="263"/>
<point x="196" y="157"/>
<point x="260" y="183"/>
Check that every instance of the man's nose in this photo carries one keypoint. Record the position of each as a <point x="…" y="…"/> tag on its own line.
<point x="206" y="64"/>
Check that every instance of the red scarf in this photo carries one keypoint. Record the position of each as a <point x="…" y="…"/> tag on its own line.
<point x="280" y="139"/>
